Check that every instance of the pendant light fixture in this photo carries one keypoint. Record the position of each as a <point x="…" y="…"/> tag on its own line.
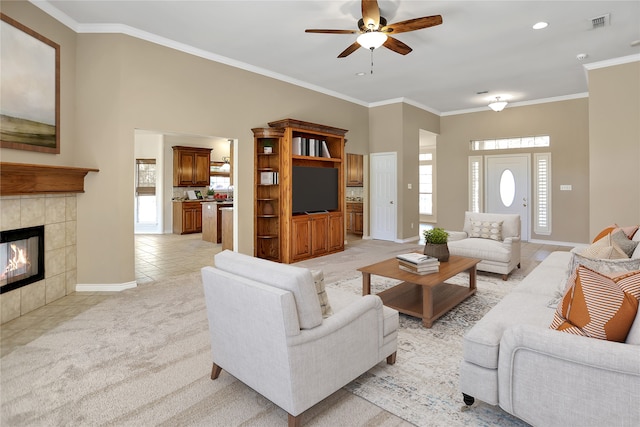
<point x="498" y="105"/>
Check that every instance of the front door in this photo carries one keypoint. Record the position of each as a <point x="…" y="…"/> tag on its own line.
<point x="383" y="178"/>
<point x="507" y="187"/>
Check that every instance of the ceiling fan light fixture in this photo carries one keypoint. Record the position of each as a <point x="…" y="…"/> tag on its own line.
<point x="498" y="105"/>
<point x="371" y="39"/>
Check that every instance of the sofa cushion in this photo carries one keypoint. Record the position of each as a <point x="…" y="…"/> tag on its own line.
<point x="604" y="248"/>
<point x="624" y="242"/>
<point x="294" y="279"/>
<point x="323" y="298"/>
<point x="599" y="306"/>
<point x="481" y="344"/>
<point x="510" y="222"/>
<point x="486" y="229"/>
<point x="341" y="299"/>
<point x="485" y="249"/>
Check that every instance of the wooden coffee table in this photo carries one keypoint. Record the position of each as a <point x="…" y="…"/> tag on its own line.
<point x="425" y="296"/>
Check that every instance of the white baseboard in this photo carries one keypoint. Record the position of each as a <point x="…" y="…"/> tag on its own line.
<point x="552" y="242"/>
<point x="110" y="287"/>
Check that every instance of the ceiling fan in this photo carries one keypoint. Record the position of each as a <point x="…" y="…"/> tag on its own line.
<point x="374" y="31"/>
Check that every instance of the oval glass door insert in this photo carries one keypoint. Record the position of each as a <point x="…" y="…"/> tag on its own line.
<point x="507" y="188"/>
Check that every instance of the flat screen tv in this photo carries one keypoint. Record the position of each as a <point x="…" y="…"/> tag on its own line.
<point x="314" y="189"/>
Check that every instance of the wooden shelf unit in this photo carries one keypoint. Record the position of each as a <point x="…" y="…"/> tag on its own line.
<point x="281" y="235"/>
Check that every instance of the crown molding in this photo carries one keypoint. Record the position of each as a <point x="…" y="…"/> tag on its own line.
<point x="611" y="62"/>
<point x="521" y="104"/>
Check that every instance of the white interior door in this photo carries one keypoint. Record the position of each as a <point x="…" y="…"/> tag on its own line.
<point x="508" y="187"/>
<point x="383" y="181"/>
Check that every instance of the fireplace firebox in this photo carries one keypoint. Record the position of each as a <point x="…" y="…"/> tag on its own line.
<point x="21" y="257"/>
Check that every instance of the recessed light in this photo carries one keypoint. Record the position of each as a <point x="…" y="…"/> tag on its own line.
<point x="581" y="56"/>
<point x="361" y="73"/>
<point x="540" y="25"/>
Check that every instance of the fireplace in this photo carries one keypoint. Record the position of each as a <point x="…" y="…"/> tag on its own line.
<point x="21" y="257"/>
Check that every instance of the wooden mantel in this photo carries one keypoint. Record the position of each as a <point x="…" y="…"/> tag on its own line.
<point x="22" y="178"/>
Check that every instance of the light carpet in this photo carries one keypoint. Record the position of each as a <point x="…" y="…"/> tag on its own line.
<point x="143" y="358"/>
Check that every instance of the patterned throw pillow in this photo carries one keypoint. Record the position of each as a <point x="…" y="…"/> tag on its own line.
<point x="620" y="239"/>
<point x="630" y="231"/>
<point x="486" y="229"/>
<point x="604" y="249"/>
<point x="318" y="279"/>
<point x="598" y="306"/>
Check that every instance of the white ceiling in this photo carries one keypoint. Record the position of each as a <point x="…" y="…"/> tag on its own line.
<point x="481" y="45"/>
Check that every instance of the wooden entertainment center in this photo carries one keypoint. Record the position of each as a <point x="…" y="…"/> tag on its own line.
<point x="281" y="234"/>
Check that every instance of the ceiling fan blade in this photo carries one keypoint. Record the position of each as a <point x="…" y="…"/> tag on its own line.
<point x="371" y="13"/>
<point x="397" y="46"/>
<point x="331" y="31"/>
<point x="348" y="51"/>
<point x="413" y="24"/>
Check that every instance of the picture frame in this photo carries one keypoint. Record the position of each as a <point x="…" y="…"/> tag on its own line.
<point x="30" y="89"/>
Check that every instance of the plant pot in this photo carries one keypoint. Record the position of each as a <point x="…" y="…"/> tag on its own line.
<point x="440" y="251"/>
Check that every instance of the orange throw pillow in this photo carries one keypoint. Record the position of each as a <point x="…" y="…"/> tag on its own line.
<point x="598" y="306"/>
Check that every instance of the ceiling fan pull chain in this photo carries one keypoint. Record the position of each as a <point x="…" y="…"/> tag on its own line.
<point x="371" y="60"/>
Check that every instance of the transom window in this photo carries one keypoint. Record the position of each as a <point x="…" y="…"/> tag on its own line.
<point x="510" y="143"/>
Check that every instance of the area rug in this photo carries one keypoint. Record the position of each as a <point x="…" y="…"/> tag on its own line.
<point x="422" y="387"/>
<point x="143" y="357"/>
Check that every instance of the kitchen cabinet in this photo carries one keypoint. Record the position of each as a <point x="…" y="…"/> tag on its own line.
<point x="212" y="220"/>
<point x="355" y="171"/>
<point x="191" y="166"/>
<point x="355" y="218"/>
<point x="187" y="217"/>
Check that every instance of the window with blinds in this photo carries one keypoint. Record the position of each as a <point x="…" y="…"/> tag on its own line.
<point x="542" y="207"/>
<point x="145" y="177"/>
<point x="475" y="184"/>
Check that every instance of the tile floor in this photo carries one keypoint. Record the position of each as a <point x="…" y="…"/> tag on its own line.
<point x="157" y="256"/>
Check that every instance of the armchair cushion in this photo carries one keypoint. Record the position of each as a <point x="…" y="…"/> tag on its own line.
<point x="486" y="229"/>
<point x="323" y="298"/>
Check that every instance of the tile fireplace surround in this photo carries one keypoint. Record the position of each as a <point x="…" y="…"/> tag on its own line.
<point x="57" y="212"/>
<point x="32" y="195"/>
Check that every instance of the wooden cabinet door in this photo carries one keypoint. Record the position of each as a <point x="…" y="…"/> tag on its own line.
<point x="355" y="174"/>
<point x="201" y="173"/>
<point x="186" y="168"/>
<point x="336" y="231"/>
<point x="358" y="227"/>
<point x="300" y="237"/>
<point x="319" y="234"/>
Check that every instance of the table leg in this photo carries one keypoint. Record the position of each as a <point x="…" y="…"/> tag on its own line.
<point x="427" y="306"/>
<point x="366" y="283"/>
<point x="472" y="277"/>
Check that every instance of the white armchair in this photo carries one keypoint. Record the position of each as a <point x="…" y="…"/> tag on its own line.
<point x="268" y="331"/>
<point x="499" y="251"/>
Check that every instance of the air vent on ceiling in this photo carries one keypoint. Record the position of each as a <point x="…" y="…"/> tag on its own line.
<point x="600" y="21"/>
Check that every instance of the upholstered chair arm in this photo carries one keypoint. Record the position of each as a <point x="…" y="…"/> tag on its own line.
<point x="546" y="376"/>
<point x="368" y="304"/>
<point x="457" y="235"/>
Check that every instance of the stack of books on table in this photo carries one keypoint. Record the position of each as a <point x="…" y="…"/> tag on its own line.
<point x="418" y="263"/>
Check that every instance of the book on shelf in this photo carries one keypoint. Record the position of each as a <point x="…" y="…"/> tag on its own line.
<point x="325" y="150"/>
<point x="420" y="272"/>
<point x="417" y="258"/>
<point x="296" y="149"/>
<point x="269" y="178"/>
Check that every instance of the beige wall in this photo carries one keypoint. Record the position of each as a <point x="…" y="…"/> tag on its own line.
<point x="614" y="145"/>
<point x="114" y="84"/>
<point x="565" y="122"/>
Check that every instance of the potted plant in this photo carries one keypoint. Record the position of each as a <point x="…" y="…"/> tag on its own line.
<point x="210" y="193"/>
<point x="435" y="243"/>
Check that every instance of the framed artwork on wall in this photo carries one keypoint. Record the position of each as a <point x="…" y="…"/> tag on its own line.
<point x="29" y="89"/>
